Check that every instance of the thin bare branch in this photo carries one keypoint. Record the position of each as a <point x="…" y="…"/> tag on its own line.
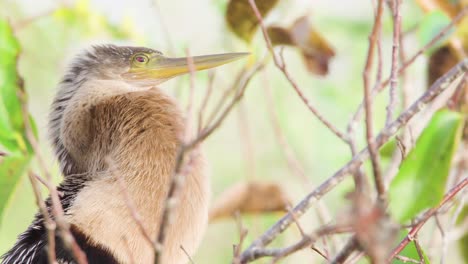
<point x="241" y="87"/>
<point x="206" y="99"/>
<point x="427" y="215"/>
<point x="49" y="224"/>
<point x="395" y="54"/>
<point x="374" y="154"/>
<point x="437" y="88"/>
<point x="306" y="241"/>
<point x="188" y="149"/>
<point x="187" y="254"/>
<point x="419" y="249"/>
<point x="406" y="64"/>
<point x="407" y="260"/>
<point x="242" y="234"/>
<point x="165" y="29"/>
<point x="351" y="246"/>
<point x="245" y="138"/>
<point x="281" y="65"/>
<point x="57" y="210"/>
<point x="131" y="206"/>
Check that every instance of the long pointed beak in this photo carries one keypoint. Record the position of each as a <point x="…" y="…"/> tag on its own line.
<point x="163" y="68"/>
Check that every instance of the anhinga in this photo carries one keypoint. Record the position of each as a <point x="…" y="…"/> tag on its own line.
<point x="108" y="108"/>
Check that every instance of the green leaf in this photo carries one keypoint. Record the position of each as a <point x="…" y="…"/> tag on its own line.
<point x="421" y="181"/>
<point x="431" y="25"/>
<point x="11" y="119"/>
<point x="12" y="167"/>
<point x="12" y="134"/>
<point x="410" y="251"/>
<point x="387" y="150"/>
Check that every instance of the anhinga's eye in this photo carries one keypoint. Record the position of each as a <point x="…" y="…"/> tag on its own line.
<point x="141" y="59"/>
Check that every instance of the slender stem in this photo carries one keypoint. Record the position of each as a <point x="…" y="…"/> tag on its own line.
<point x="281" y="65"/>
<point x="414" y="231"/>
<point x="49" y="224"/>
<point x="437" y="88"/>
<point x="374" y="154"/>
<point x="395" y="54"/>
<point x="410" y="61"/>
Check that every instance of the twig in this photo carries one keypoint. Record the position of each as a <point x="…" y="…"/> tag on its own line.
<point x="164" y="27"/>
<point x="296" y="221"/>
<point x="419" y="250"/>
<point x="41" y="180"/>
<point x="351" y="245"/>
<point x="395" y="54"/>
<point x="49" y="224"/>
<point x="407" y="260"/>
<point x="410" y="61"/>
<point x="206" y="98"/>
<point x="182" y="168"/>
<point x="291" y="159"/>
<point x="131" y="205"/>
<point x="57" y="210"/>
<point x="306" y="241"/>
<point x="356" y="258"/>
<point x="224" y="97"/>
<point x="281" y="65"/>
<point x="320" y="253"/>
<point x="447" y="237"/>
<point x="438" y="87"/>
<point x="444" y="238"/>
<point x="189" y="111"/>
<point x="241" y="87"/>
<point x="427" y="215"/>
<point x="374" y="154"/>
<point x="187" y="254"/>
<point x="246" y="141"/>
<point x="242" y="234"/>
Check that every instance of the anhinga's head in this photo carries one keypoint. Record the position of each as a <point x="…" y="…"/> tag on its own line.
<point x="138" y="65"/>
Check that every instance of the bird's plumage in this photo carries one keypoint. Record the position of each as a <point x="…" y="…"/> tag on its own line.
<point x="106" y="130"/>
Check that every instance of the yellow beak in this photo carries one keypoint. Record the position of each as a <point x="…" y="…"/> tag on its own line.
<point x="163" y="68"/>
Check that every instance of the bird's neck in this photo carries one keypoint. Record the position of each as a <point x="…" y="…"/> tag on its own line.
<point x="128" y="144"/>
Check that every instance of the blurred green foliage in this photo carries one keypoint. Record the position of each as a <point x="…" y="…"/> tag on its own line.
<point x="410" y="251"/>
<point x="421" y="180"/>
<point x="91" y="23"/>
<point x="431" y="25"/>
<point x="11" y="117"/>
<point x="12" y="133"/>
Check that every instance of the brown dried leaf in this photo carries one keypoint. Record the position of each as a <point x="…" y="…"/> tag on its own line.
<point x="316" y="51"/>
<point x="280" y="36"/>
<point x="242" y="20"/>
<point x="440" y="62"/>
<point x="452" y="7"/>
<point x="250" y="197"/>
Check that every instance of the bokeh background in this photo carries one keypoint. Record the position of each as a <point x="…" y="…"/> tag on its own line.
<point x="244" y="148"/>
